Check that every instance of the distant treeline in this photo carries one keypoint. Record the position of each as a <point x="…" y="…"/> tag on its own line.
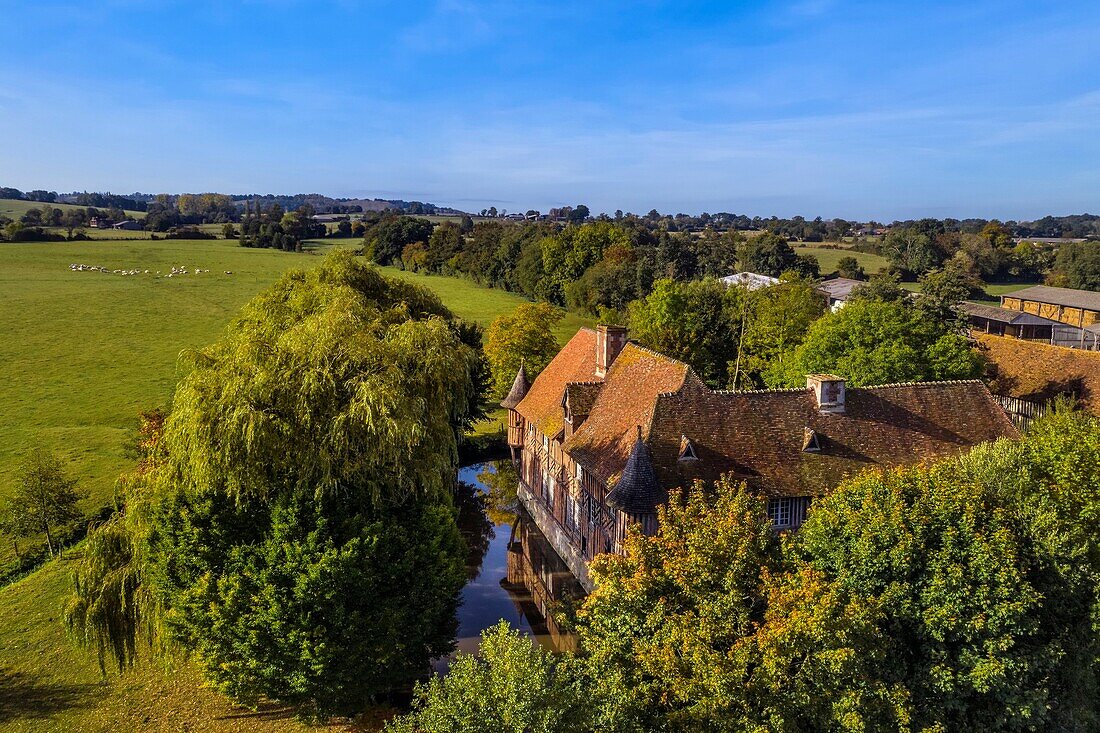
<point x="319" y="203"/>
<point x="603" y="265"/>
<point x="1080" y="226"/>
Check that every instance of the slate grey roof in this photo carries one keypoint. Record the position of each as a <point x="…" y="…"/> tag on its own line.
<point x="518" y="391"/>
<point x="1068" y="297"/>
<point x="1006" y="315"/>
<point x="637" y="490"/>
<point x="839" y="288"/>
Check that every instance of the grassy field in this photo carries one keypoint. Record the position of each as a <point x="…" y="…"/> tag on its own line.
<point x="15" y="208"/>
<point x="993" y="290"/>
<point x="81" y="353"/>
<point x="829" y="258"/>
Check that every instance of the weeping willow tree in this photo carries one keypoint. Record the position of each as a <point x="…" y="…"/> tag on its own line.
<point x="294" y="528"/>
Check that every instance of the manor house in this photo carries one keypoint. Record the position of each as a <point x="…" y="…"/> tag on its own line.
<point x="609" y="427"/>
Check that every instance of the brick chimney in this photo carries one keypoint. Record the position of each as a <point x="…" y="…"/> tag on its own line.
<point x="610" y="340"/>
<point x="828" y="392"/>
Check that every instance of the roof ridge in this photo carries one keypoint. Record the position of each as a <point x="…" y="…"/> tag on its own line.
<point x="929" y="383"/>
<point x="774" y="390"/>
<point x="658" y="354"/>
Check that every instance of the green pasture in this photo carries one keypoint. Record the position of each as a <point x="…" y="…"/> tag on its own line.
<point x="829" y="258"/>
<point x="47" y="684"/>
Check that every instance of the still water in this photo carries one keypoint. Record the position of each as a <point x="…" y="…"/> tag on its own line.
<point x="512" y="575"/>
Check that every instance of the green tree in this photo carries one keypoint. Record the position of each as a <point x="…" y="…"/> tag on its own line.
<point x="45" y="499"/>
<point x="524" y="336"/>
<point x="385" y="240"/>
<point x="444" y="245"/>
<point x="776" y="322"/>
<point x="943" y="289"/>
<point x="771" y="254"/>
<point x="566" y="255"/>
<point x="910" y="251"/>
<point x="607" y="285"/>
<point x="850" y="268"/>
<point x="697" y="322"/>
<point x="875" y="342"/>
<point x="299" y="532"/>
<point x="511" y="686"/>
<point x="983" y="584"/>
<point x="1077" y="265"/>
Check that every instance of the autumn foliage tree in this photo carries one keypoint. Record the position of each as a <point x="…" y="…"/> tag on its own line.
<point x="524" y="336"/>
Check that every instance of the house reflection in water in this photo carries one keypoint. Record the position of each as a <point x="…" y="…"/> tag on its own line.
<point x="540" y="583"/>
<point x="512" y="573"/>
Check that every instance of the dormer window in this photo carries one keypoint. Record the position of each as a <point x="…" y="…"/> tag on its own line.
<point x="810" y="441"/>
<point x="687" y="449"/>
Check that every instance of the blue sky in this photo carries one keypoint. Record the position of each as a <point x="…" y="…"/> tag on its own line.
<point x="813" y="107"/>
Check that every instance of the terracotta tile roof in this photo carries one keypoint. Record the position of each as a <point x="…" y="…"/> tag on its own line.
<point x="576" y="362"/>
<point x="603" y="442"/>
<point x="768" y="437"/>
<point x="761" y="435"/>
<point x="518" y="391"/>
<point x="1030" y="370"/>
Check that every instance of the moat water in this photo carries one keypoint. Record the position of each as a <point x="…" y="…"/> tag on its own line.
<point x="512" y="574"/>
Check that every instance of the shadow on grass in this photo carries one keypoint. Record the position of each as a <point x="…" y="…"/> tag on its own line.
<point x="265" y="711"/>
<point x="23" y="697"/>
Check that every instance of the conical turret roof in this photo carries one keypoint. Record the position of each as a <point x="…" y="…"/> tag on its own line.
<point x="518" y="391"/>
<point x="637" y="491"/>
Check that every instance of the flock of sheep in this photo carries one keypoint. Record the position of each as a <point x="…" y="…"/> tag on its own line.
<point x="176" y="271"/>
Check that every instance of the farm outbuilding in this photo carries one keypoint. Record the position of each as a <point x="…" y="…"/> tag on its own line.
<point x="1027" y="326"/>
<point x="838" y="290"/>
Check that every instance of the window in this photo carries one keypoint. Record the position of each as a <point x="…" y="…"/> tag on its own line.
<point x="545" y="443"/>
<point x="550" y="488"/>
<point x="578" y="471"/>
<point x="572" y="510"/>
<point x="780" y="512"/>
<point x="593" y="510"/>
<point x="788" y="512"/>
<point x="687" y="449"/>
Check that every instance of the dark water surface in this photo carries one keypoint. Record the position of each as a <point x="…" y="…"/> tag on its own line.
<point x="494" y="525"/>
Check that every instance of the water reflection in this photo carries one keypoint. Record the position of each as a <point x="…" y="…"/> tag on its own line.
<point x="513" y="574"/>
